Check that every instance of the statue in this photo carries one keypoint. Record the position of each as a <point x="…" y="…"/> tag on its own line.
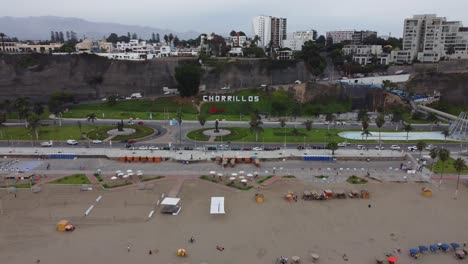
<point x="216" y="126"/>
<point x="120" y="126"/>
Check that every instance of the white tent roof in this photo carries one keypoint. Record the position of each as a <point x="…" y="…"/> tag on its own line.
<point x="217" y="205"/>
<point x="170" y="201"/>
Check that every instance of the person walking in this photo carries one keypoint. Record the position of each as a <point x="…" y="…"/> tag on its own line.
<point x="128" y="248"/>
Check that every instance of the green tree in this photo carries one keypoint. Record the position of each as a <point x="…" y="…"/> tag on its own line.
<point x="407" y="129"/>
<point x="255" y="125"/>
<point x="34" y="123"/>
<point x="282" y="122"/>
<point x="362" y="115"/>
<point x="420" y="146"/>
<point x="202" y="119"/>
<point x="23" y="107"/>
<point x="444" y="155"/>
<point x="329" y="118"/>
<point x="179" y="116"/>
<point x="188" y="79"/>
<point x="111" y="100"/>
<point x="397" y="117"/>
<point x="308" y="124"/>
<point x="176" y="41"/>
<point x="38" y="109"/>
<point x="91" y="117"/>
<point x="332" y="146"/>
<point x="2" y="118"/>
<point x="446" y="134"/>
<point x="379" y="122"/>
<point x="311" y="55"/>
<point x="366" y="133"/>
<point x="459" y="165"/>
<point x="433" y="153"/>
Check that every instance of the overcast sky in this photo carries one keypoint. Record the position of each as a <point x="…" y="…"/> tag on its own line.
<point x="222" y="16"/>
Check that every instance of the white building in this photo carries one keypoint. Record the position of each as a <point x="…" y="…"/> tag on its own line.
<point x="269" y="29"/>
<point x="429" y="38"/>
<point x="340" y="35"/>
<point x="238" y="40"/>
<point x="367" y="54"/>
<point x="135" y="46"/>
<point x="297" y="39"/>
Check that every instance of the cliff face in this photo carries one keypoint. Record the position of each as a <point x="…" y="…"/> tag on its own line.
<point x="89" y="76"/>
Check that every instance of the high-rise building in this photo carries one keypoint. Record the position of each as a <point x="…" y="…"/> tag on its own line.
<point x="269" y="29"/>
<point x="297" y="39"/>
<point x="429" y="38"/>
<point x="339" y="36"/>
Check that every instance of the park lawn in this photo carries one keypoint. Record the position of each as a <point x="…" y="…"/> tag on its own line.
<point x="72" y="179"/>
<point x="136" y="109"/>
<point x="45" y="132"/>
<point x="101" y="132"/>
<point x="449" y="168"/>
<point x="14" y="115"/>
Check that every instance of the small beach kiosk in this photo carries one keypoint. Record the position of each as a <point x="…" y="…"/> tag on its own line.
<point x="217" y="205"/>
<point x="171" y="206"/>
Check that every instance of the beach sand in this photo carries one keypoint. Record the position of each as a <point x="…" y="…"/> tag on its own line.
<point x="399" y="217"/>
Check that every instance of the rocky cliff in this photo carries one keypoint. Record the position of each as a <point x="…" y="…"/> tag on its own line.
<point x="89" y="76"/>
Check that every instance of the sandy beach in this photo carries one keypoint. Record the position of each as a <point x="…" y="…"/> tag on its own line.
<point x="399" y="217"/>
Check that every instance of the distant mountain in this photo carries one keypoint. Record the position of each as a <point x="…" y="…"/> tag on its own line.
<point x="38" y="28"/>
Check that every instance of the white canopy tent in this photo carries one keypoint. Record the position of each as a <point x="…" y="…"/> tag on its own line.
<point x="170" y="201"/>
<point x="217" y="205"/>
<point x="171" y="206"/>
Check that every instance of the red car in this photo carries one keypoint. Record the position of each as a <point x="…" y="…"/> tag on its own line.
<point x="141" y="123"/>
<point x="131" y="141"/>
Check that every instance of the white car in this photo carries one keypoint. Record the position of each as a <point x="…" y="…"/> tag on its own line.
<point x="46" y="144"/>
<point x="379" y="147"/>
<point x="257" y="149"/>
<point x="226" y="88"/>
<point x="430" y="147"/>
<point x="153" y="148"/>
<point x="143" y="148"/>
<point x="200" y="148"/>
<point x="360" y="147"/>
<point x="72" y="142"/>
<point x="96" y="141"/>
<point x="297" y="82"/>
<point x="343" y="144"/>
<point x="395" y="147"/>
<point x="412" y="148"/>
<point x="167" y="93"/>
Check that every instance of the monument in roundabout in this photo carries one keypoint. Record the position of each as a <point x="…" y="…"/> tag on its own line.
<point x="121" y="130"/>
<point x="216" y="132"/>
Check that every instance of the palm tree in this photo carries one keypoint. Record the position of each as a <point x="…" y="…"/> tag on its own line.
<point x="407" y="129"/>
<point x="3" y="43"/>
<point x="362" y="115"/>
<point x="308" y="124"/>
<point x="34" y="123"/>
<point x="23" y="107"/>
<point x="396" y="118"/>
<point x="446" y="133"/>
<point x="256" y="126"/>
<point x="433" y="154"/>
<point x="459" y="165"/>
<point x="421" y="145"/>
<point x="366" y="133"/>
<point x="179" y="116"/>
<point x="379" y="122"/>
<point x="365" y="127"/>
<point x="432" y="118"/>
<point x="444" y="155"/>
<point x="282" y="122"/>
<point x="332" y="146"/>
<point x="329" y="118"/>
<point x="202" y="120"/>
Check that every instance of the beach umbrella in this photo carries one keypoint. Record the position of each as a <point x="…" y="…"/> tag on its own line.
<point x="444" y="246"/>
<point x="455" y="245"/>
<point x="244" y="180"/>
<point x="250" y="175"/>
<point x="423" y="248"/>
<point x="234" y="174"/>
<point x="129" y="171"/>
<point x="220" y="174"/>
<point x="125" y="176"/>
<point x="241" y="177"/>
<point x="121" y="174"/>
<point x="433" y="247"/>
<point x="241" y="172"/>
<point x="131" y="174"/>
<point x="392" y="259"/>
<point x="118" y="171"/>
<point x="212" y="172"/>
<point x="232" y="178"/>
<point x="113" y="178"/>
<point x="413" y="251"/>
<point x="140" y="173"/>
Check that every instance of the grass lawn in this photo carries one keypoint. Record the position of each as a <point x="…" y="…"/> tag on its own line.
<point x="20" y="186"/>
<point x="101" y="132"/>
<point x="449" y="168"/>
<point x="356" y="180"/>
<point x="136" y="109"/>
<point x="72" y="179"/>
<point x="152" y="178"/>
<point x="45" y="132"/>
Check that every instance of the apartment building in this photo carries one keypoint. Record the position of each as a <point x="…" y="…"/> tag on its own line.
<point x="368" y="54"/>
<point x="358" y="37"/>
<point x="297" y="39"/>
<point x="269" y="29"/>
<point x="238" y="39"/>
<point x="340" y="35"/>
<point x="136" y="46"/>
<point x="428" y="38"/>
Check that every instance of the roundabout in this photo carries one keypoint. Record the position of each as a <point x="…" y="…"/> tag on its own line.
<point x="219" y="133"/>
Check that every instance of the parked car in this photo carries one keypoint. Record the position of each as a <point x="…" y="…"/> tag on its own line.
<point x="300" y="147"/>
<point x="395" y="147"/>
<point x="343" y="144"/>
<point x="166" y="148"/>
<point x="200" y="148"/>
<point x="128" y="145"/>
<point x="379" y="147"/>
<point x="430" y="147"/>
<point x="96" y="141"/>
<point x="141" y="123"/>
<point x="236" y="148"/>
<point x="143" y="148"/>
<point x="188" y="148"/>
<point x="153" y="148"/>
<point x="131" y="141"/>
<point x="412" y="148"/>
<point x="72" y="142"/>
<point x="360" y="147"/>
<point x="130" y="123"/>
<point x="246" y="149"/>
<point x="46" y="144"/>
<point x="257" y="149"/>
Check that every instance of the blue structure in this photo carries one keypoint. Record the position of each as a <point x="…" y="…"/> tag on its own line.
<point x="62" y="156"/>
<point x="318" y="158"/>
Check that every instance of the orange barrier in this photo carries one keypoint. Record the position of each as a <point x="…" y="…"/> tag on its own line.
<point x="157" y="160"/>
<point x="150" y="159"/>
<point x="135" y="159"/>
<point x="144" y="159"/>
<point x="239" y="160"/>
<point x="123" y="159"/>
<point x="247" y="160"/>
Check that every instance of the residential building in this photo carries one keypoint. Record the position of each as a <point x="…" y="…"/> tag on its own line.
<point x="340" y="35"/>
<point x="10" y="47"/>
<point x="134" y="45"/>
<point x="236" y="51"/>
<point x="428" y="38"/>
<point x="358" y="37"/>
<point x="89" y="46"/>
<point x="39" y="48"/>
<point x="368" y="54"/>
<point x="269" y="29"/>
<point x="238" y="39"/>
<point x="284" y="55"/>
<point x="297" y="39"/>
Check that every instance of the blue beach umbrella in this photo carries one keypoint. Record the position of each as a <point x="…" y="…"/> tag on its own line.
<point x="414" y="251"/>
<point x="455" y="245"/>
<point x="423" y="248"/>
<point x="433" y="247"/>
<point x="444" y="247"/>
